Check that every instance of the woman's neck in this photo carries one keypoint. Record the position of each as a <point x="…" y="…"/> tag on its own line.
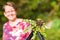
<point x="13" y="22"/>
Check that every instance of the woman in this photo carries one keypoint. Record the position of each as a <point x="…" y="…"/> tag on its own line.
<point x="14" y="28"/>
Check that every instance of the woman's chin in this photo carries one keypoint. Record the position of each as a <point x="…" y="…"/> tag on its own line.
<point x="12" y="19"/>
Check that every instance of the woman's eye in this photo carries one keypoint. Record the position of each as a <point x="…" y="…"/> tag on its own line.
<point x="12" y="10"/>
<point x="7" y="12"/>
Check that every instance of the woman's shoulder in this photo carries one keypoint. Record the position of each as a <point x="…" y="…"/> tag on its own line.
<point x="6" y="23"/>
<point x="26" y="20"/>
<point x="20" y="19"/>
<point x="23" y="20"/>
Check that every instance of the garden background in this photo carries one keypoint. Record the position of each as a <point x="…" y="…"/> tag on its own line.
<point x="47" y="10"/>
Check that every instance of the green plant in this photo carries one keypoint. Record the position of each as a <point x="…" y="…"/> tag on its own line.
<point x="36" y="26"/>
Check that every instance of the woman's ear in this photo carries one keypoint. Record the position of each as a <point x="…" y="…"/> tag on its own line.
<point x="4" y="14"/>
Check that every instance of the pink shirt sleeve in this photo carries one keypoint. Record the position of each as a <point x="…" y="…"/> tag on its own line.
<point x="5" y="36"/>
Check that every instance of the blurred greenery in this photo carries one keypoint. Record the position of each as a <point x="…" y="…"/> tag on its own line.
<point x="53" y="33"/>
<point x="48" y="10"/>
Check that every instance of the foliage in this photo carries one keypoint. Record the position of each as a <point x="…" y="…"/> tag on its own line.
<point x="36" y="26"/>
<point x="54" y="32"/>
<point x="33" y="9"/>
<point x="56" y="24"/>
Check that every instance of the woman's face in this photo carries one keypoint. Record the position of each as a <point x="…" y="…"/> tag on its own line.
<point x="10" y="12"/>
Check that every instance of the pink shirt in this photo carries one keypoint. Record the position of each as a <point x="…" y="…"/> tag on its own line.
<point x="15" y="32"/>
